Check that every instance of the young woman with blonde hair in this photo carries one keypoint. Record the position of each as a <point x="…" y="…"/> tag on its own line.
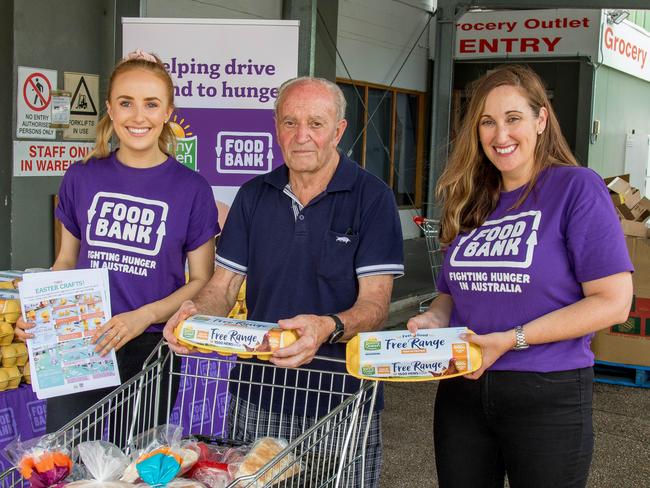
<point x="535" y="263"/>
<point x="141" y="214"/>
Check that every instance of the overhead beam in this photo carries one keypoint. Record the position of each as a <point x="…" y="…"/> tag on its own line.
<point x="589" y="4"/>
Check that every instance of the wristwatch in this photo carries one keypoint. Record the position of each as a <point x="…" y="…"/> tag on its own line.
<point x="520" y="339"/>
<point x="339" y="329"/>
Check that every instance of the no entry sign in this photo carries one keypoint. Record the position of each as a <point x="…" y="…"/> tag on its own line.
<point x="34" y="97"/>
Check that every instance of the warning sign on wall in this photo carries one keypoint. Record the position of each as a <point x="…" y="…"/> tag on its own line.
<point x="33" y="99"/>
<point x="34" y="158"/>
<point x="84" y="108"/>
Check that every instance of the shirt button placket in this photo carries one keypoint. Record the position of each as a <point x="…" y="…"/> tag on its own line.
<point x="301" y="226"/>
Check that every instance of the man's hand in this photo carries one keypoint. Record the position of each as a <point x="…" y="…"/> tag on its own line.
<point x="312" y="330"/>
<point x="21" y="329"/>
<point x="123" y="327"/>
<point x="493" y="346"/>
<point x="187" y="308"/>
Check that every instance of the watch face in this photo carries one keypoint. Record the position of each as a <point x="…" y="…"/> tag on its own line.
<point x="336" y="336"/>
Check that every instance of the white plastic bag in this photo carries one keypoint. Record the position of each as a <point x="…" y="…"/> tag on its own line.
<point x="177" y="483"/>
<point x="105" y="463"/>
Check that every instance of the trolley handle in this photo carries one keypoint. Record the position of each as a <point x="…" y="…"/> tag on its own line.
<point x="418" y="220"/>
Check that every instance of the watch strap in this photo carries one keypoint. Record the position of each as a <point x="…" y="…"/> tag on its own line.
<point x="339" y="329"/>
<point x="520" y="339"/>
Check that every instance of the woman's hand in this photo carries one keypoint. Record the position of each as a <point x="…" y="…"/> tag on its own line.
<point x="493" y="346"/>
<point x="115" y="333"/>
<point x="21" y="329"/>
<point x="426" y="320"/>
<point x="436" y="317"/>
<point x="187" y="308"/>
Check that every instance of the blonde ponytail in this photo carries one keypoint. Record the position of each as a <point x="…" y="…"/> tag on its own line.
<point x="102" y="139"/>
<point x="167" y="141"/>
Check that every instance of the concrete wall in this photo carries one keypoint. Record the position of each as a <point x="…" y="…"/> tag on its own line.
<point x="375" y="36"/>
<point x="75" y="35"/>
<point x="226" y="9"/>
<point x="622" y="104"/>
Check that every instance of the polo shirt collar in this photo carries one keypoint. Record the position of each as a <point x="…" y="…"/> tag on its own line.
<point x="342" y="180"/>
<point x="344" y="176"/>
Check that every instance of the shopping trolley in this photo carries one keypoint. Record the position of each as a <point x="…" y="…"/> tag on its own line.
<point x="322" y="451"/>
<point x="431" y="230"/>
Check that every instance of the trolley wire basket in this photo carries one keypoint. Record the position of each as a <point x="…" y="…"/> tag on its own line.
<point x="223" y="400"/>
<point x="431" y="230"/>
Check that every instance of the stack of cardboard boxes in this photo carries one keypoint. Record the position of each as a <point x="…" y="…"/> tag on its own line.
<point x="629" y="343"/>
<point x="632" y="208"/>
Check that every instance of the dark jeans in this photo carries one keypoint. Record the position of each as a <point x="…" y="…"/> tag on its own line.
<point x="536" y="427"/>
<point x="61" y="410"/>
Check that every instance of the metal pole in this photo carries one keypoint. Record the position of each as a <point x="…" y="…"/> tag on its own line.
<point x="441" y="90"/>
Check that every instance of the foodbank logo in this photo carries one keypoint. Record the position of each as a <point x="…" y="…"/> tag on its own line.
<point x="188" y="333"/>
<point x="186" y="142"/>
<point x="372" y="344"/>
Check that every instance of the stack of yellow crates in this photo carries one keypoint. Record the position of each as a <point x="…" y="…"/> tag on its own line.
<point x="13" y="354"/>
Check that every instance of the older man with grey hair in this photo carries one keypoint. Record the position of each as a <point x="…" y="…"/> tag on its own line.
<point x="319" y="240"/>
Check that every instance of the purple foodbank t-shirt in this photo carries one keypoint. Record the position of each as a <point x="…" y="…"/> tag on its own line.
<point x="526" y="262"/>
<point x="138" y="223"/>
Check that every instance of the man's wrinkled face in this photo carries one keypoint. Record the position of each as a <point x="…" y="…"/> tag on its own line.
<point x="308" y="128"/>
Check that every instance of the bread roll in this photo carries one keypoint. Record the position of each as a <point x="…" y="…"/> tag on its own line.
<point x="263" y="451"/>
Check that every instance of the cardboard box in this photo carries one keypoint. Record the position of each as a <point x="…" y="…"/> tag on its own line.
<point x="635" y="229"/>
<point x="625" y="212"/>
<point x="631" y="208"/>
<point x="641" y="211"/>
<point x="618" y="184"/>
<point x="629" y="343"/>
<point x="631" y="197"/>
<point x="617" y="199"/>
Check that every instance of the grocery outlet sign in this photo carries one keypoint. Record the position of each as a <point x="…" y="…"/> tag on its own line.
<point x="625" y="47"/>
<point x="554" y="33"/>
<point x="528" y="33"/>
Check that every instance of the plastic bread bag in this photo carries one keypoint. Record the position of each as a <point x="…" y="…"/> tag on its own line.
<point x="104" y="464"/>
<point x="210" y="457"/>
<point x="177" y="483"/>
<point x="212" y="466"/>
<point x="234" y="457"/>
<point x="263" y="451"/>
<point x="42" y="461"/>
<point x="213" y="477"/>
<point x="156" y="451"/>
<point x="159" y="466"/>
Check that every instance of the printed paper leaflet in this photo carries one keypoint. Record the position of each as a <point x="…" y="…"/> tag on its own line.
<point x="66" y="308"/>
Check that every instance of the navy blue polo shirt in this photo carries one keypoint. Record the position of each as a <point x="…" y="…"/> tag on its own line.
<point x="308" y="260"/>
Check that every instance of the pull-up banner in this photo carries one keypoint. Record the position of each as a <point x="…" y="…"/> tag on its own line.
<point x="226" y="75"/>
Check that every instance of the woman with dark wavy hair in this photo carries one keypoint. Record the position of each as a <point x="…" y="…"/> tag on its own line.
<point x="535" y="263"/>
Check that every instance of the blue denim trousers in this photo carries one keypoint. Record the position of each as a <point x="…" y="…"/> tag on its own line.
<point x="536" y="428"/>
